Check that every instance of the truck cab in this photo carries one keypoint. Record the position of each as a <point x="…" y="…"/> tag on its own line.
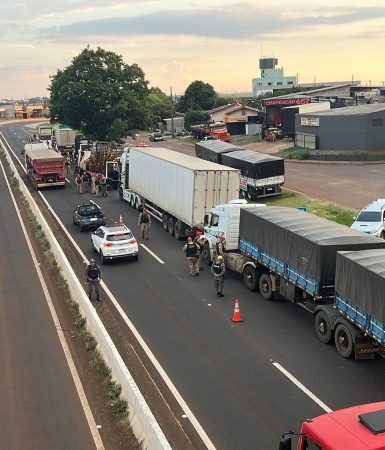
<point x="357" y="428"/>
<point x="225" y="219"/>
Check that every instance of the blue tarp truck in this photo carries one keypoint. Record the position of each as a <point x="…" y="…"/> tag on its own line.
<point x="324" y="265"/>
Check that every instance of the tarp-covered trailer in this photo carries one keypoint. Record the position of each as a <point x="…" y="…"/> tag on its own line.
<point x="299" y="249"/>
<point x="261" y="175"/>
<point x="213" y="150"/>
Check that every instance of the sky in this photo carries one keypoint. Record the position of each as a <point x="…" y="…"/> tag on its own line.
<point x="176" y="42"/>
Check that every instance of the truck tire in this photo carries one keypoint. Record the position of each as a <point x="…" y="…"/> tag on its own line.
<point x="343" y="340"/>
<point x="265" y="287"/>
<point x="323" y="327"/>
<point x="251" y="278"/>
<point x="170" y="224"/>
<point x="165" y="222"/>
<point x="382" y="236"/>
<point x="179" y="230"/>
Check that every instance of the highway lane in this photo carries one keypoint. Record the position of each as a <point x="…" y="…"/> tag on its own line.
<point x="224" y="370"/>
<point x="39" y="403"/>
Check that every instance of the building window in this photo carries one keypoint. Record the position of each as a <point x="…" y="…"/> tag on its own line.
<point x="377" y="122"/>
<point x="269" y="84"/>
<point x="279" y="83"/>
<point x="289" y="82"/>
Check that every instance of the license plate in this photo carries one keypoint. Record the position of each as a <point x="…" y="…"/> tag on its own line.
<point x="50" y="180"/>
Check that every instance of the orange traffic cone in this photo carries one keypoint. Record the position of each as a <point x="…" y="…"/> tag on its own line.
<point x="120" y="220"/>
<point x="237" y="314"/>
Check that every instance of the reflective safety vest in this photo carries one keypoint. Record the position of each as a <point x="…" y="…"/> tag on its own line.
<point x="217" y="267"/>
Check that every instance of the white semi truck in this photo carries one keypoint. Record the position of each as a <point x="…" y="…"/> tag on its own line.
<point x="179" y="190"/>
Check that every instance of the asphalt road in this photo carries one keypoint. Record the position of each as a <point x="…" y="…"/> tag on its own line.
<point x="224" y="371"/>
<point x="40" y="408"/>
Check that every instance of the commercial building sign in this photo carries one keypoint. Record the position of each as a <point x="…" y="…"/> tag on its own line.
<point x="228" y="119"/>
<point x="286" y="101"/>
<point x="310" y="121"/>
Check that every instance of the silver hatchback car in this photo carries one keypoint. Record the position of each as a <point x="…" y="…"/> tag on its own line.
<point x="113" y="242"/>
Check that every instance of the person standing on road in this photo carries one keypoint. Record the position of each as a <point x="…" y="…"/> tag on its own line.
<point x="192" y="254"/>
<point x="79" y="184"/>
<point x="93" y="184"/>
<point x="218" y="269"/>
<point x="85" y="181"/>
<point x="220" y="245"/>
<point x="93" y="279"/>
<point x="144" y="221"/>
<point x="68" y="165"/>
<point x="200" y="241"/>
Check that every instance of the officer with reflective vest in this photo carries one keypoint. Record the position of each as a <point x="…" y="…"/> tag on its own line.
<point x="218" y="269"/>
<point x="191" y="250"/>
<point x="144" y="221"/>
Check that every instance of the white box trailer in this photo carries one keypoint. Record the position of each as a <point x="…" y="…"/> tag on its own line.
<point x="65" y="139"/>
<point x="178" y="189"/>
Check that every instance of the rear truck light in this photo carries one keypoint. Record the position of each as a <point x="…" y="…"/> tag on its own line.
<point x="38" y="179"/>
<point x="62" y="177"/>
<point x="108" y="244"/>
<point x="132" y="241"/>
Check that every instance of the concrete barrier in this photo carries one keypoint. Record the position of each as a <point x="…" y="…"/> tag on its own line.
<point x="143" y="423"/>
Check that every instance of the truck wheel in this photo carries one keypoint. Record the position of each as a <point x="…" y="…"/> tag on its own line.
<point x="171" y="223"/>
<point x="323" y="327"/>
<point x="382" y="235"/>
<point x="206" y="254"/>
<point x="251" y="278"/>
<point x="179" y="230"/>
<point x="265" y="287"/>
<point x="165" y="222"/>
<point x="102" y="258"/>
<point x="343" y="341"/>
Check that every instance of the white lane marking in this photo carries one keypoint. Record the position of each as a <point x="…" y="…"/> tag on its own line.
<point x="68" y="181"/>
<point x="152" y="253"/>
<point x="78" y="385"/>
<point x="303" y="388"/>
<point x="198" y="427"/>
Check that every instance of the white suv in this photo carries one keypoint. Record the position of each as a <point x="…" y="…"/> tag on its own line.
<point x="371" y="219"/>
<point x="114" y="241"/>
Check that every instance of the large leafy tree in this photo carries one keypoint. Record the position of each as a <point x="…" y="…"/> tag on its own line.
<point x="198" y="95"/>
<point x="158" y="107"/>
<point x="195" y="117"/>
<point x="99" y="94"/>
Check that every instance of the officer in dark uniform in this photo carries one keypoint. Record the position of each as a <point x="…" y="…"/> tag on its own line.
<point x="144" y="221"/>
<point x="218" y="269"/>
<point x="192" y="254"/>
<point x="93" y="279"/>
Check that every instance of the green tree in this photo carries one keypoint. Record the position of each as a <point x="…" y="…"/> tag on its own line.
<point x="158" y="107"/>
<point x="99" y="94"/>
<point x="198" y="95"/>
<point x="193" y="117"/>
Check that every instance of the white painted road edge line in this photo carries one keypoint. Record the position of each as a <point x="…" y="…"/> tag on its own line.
<point x="75" y="376"/>
<point x="303" y="388"/>
<point x="152" y="253"/>
<point x="135" y="332"/>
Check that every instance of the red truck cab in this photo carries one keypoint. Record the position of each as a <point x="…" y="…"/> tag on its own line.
<point x="356" y="428"/>
<point x="219" y="130"/>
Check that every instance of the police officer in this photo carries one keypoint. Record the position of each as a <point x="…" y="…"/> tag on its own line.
<point x="144" y="221"/>
<point x="192" y="253"/>
<point x="220" y="246"/>
<point x="93" y="279"/>
<point x="200" y="241"/>
<point x="218" y="269"/>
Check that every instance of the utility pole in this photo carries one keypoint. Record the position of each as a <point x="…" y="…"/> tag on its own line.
<point x="172" y="113"/>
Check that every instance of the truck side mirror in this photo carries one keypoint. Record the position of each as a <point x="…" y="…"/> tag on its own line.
<point x="285" y="443"/>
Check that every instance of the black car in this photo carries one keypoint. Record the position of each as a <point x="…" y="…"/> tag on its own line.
<point x="88" y="215"/>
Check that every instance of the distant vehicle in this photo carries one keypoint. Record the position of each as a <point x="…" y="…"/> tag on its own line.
<point x="45" y="168"/>
<point x="45" y="132"/>
<point x="216" y="129"/>
<point x="156" y="137"/>
<point x="182" y="133"/>
<point x="113" y="242"/>
<point x="167" y="133"/>
<point x="65" y="140"/>
<point x="209" y="138"/>
<point x="88" y="215"/>
<point x="371" y="219"/>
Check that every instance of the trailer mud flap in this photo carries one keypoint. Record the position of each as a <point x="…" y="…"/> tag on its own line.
<point x="290" y="291"/>
<point x="366" y="350"/>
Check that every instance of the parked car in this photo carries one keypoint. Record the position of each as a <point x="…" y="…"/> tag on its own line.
<point x="371" y="219"/>
<point x="156" y="137"/>
<point x="114" y="242"/>
<point x="88" y="215"/>
<point x="182" y="133"/>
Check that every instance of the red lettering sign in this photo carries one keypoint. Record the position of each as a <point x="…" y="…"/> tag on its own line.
<point x="287" y="101"/>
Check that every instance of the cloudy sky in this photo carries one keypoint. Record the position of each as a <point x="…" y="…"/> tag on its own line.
<point x="178" y="41"/>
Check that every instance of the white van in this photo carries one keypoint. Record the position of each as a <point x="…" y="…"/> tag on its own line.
<point x="371" y="219"/>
